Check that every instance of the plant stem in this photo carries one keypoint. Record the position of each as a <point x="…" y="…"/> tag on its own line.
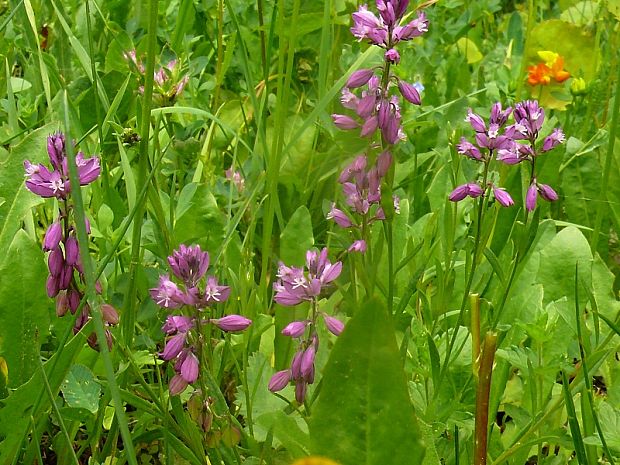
<point x="91" y="295"/>
<point x="482" y="398"/>
<point x="600" y="209"/>
<point x="129" y="315"/>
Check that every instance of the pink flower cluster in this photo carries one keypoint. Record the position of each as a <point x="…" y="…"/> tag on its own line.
<point x="189" y="265"/>
<point x="501" y="142"/>
<point x="64" y="261"/>
<point x="362" y="191"/>
<point x="376" y="107"/>
<point x="168" y="81"/>
<point x="294" y="286"/>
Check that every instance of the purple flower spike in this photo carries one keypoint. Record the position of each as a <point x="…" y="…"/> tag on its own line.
<point x="359" y="78"/>
<point x="334" y="325"/>
<point x="295" y="329"/>
<point x="279" y="380"/>
<point x="232" y="323"/>
<point x="547" y="193"/>
<point x="556" y="138"/>
<point x="531" y="197"/>
<point x="358" y="246"/>
<point x="409" y="92"/>
<point x="189" y="264"/>
<point x="52" y="236"/>
<point x="503" y="197"/>
<point x="344" y="122"/>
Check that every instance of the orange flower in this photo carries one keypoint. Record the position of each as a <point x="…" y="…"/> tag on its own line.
<point x="538" y="74"/>
<point x="553" y="67"/>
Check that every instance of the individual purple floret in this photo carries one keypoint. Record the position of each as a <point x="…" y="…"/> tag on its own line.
<point x="197" y="292"/>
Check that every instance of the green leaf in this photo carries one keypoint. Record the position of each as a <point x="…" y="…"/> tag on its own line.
<point x="557" y="265"/>
<point x="364" y="414"/>
<point x="581" y="180"/>
<point x="297" y="237"/>
<point x="80" y="389"/>
<point x="202" y="223"/>
<point x="24" y="314"/>
<point x="18" y="199"/>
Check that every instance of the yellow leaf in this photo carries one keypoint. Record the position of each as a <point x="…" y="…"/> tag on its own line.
<point x="315" y="461"/>
<point x="4" y="369"/>
<point x="468" y="48"/>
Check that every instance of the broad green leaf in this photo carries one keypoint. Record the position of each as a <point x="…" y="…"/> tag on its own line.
<point x="364" y="414"/>
<point x="297" y="237"/>
<point x="80" y="389"/>
<point x="24" y="315"/>
<point x="557" y="265"/>
<point x="202" y="223"/>
<point x="18" y="199"/>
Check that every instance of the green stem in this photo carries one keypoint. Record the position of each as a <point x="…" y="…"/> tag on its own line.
<point x="600" y="209"/>
<point x="129" y="317"/>
<point x="91" y="295"/>
<point x="472" y="271"/>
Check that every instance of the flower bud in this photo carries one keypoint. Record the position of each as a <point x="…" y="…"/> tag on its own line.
<point x="295" y="329"/>
<point x="531" y="197"/>
<point x="177" y="385"/>
<point x="189" y="368"/>
<point x="109" y="313"/>
<point x="232" y="323"/>
<point x="307" y="361"/>
<point x="358" y="246"/>
<point x="279" y="380"/>
<point x="503" y="197"/>
<point x="53" y="236"/>
<point x="344" y="122"/>
<point x="334" y="325"/>
<point x="359" y="78"/>
<point x="56" y="262"/>
<point x="174" y="346"/>
<point x="409" y="92"/>
<point x="72" y="250"/>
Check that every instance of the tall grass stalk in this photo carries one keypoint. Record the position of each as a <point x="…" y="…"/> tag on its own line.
<point x="130" y="303"/>
<point x="91" y="295"/>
